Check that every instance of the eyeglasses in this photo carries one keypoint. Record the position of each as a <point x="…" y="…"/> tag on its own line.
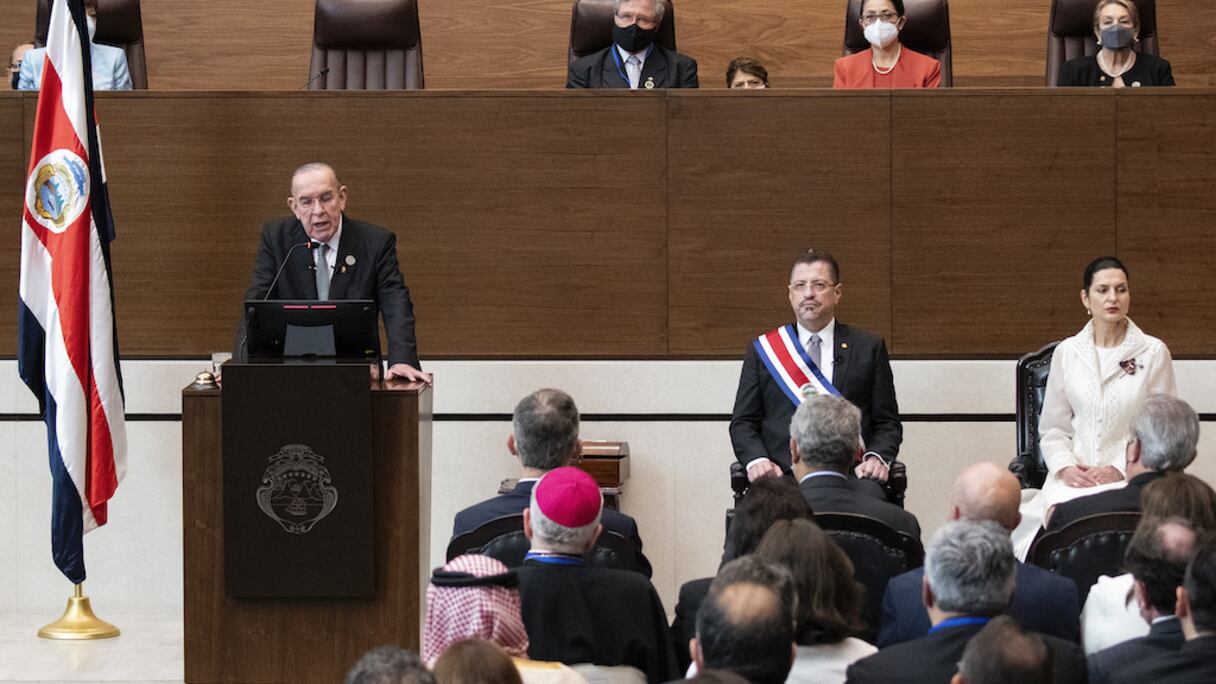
<point x="816" y="286"/>
<point x="885" y="17"/>
<point x="645" y="22"/>
<point x="324" y="200"/>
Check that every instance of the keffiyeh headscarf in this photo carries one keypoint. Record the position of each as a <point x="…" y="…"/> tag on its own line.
<point x="473" y="597"/>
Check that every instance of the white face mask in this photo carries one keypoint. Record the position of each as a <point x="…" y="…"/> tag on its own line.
<point x="881" y="34"/>
<point x="92" y="24"/>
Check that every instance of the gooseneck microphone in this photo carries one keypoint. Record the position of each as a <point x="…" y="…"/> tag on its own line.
<point x="312" y="80"/>
<point x="309" y="245"/>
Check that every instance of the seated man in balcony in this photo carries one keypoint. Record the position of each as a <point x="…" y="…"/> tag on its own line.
<point x="634" y="60"/>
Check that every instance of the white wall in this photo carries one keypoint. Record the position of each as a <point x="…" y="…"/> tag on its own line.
<point x="678" y="490"/>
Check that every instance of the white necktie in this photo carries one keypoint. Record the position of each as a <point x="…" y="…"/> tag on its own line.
<point x="323" y="271"/>
<point x="633" y="67"/>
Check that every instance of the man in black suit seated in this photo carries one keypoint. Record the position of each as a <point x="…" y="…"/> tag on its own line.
<point x="575" y="613"/>
<point x="1042" y="601"/>
<point x="823" y="448"/>
<point x="1156" y="557"/>
<point x="1164" y="434"/>
<point x="321" y="253"/>
<point x="746" y="624"/>
<point x="969" y="577"/>
<point x="634" y="60"/>
<point x="815" y="355"/>
<point x="1003" y="654"/>
<point x="544" y="436"/>
<point x="1196" y="609"/>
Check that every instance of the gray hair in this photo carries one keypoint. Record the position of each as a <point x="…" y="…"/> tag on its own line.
<point x="660" y="9"/>
<point x="1168" y="430"/>
<point x="970" y="567"/>
<point x="545" y="425"/>
<point x="309" y="168"/>
<point x="389" y="665"/>
<point x="552" y="536"/>
<point x="827" y="430"/>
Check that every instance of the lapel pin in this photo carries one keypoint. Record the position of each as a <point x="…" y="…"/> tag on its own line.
<point x="844" y="345"/>
<point x="650" y="83"/>
<point x="350" y="260"/>
<point x="342" y="270"/>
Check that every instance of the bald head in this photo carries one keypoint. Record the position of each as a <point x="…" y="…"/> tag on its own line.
<point x="986" y="491"/>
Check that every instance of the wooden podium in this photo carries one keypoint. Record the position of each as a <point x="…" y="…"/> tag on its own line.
<point x="254" y="641"/>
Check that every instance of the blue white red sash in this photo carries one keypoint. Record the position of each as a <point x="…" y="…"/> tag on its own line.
<point x="791" y="366"/>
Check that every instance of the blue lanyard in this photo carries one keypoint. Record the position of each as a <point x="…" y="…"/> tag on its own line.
<point x="553" y="558"/>
<point x="620" y="66"/>
<point x="958" y="622"/>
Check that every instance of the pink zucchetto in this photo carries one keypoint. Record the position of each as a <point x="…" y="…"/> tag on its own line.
<point x="569" y="497"/>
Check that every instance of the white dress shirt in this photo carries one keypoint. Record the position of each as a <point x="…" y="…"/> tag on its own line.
<point x="625" y="64"/>
<point x="331" y="258"/>
<point x="827" y="353"/>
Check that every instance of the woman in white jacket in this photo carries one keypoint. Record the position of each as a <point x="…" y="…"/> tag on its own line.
<point x="1099" y="377"/>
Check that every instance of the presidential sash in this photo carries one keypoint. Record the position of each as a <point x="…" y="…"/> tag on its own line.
<point x="791" y="366"/>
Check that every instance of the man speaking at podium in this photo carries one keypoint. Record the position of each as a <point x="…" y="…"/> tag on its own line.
<point x="323" y="254"/>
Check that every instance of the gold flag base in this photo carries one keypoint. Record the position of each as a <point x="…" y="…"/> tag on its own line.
<point x="79" y="622"/>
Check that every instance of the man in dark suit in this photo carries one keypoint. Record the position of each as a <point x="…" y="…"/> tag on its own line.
<point x="746" y="623"/>
<point x="544" y="436"/>
<point x="330" y="256"/>
<point x="853" y="361"/>
<point x="1196" y="609"/>
<point x="969" y="579"/>
<point x="634" y="60"/>
<point x="1001" y="652"/>
<point x="1042" y="601"/>
<point x="1156" y="557"/>
<point x="823" y="447"/>
<point x="1165" y="432"/>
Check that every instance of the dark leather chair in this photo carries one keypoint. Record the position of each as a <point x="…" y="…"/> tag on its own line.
<point x="927" y="32"/>
<point x="1031" y="382"/>
<point x="503" y="538"/>
<point x="366" y="45"/>
<point x="878" y="551"/>
<point x="1086" y="549"/>
<point x="591" y="27"/>
<point x="1070" y="33"/>
<point x="119" y="23"/>
<point x="895" y="488"/>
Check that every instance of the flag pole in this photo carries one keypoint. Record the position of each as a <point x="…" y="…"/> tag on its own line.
<point x="79" y="621"/>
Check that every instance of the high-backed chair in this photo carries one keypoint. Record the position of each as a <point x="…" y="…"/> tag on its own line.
<point x="927" y="32"/>
<point x="878" y="551"/>
<point x="895" y="488"/>
<point x="119" y="23"/>
<point x="1085" y="549"/>
<point x="591" y="27"/>
<point x="366" y="45"/>
<point x="1031" y="382"/>
<point x="1070" y="32"/>
<point x="503" y="539"/>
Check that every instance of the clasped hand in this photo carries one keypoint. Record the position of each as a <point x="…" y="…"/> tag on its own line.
<point x="1089" y="476"/>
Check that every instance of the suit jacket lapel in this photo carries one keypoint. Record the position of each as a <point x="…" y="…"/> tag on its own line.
<point x="300" y="270"/>
<point x="343" y="271"/>
<point x="610" y="77"/>
<point x="840" y="356"/>
<point x="654" y="68"/>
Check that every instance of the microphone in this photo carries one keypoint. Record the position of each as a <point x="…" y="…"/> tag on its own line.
<point x="310" y="245"/>
<point x="321" y="73"/>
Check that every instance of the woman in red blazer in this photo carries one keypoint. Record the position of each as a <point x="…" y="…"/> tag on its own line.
<point x="886" y="64"/>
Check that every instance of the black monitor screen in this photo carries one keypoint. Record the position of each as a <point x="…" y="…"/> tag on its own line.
<point x="343" y="330"/>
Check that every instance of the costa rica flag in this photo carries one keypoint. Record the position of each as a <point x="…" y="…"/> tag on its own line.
<point x="67" y="346"/>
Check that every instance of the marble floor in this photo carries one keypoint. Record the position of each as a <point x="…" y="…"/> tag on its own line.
<point x="149" y="650"/>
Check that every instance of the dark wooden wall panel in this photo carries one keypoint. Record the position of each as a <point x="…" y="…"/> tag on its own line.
<point x="751" y="185"/>
<point x="1167" y="216"/>
<point x="236" y="44"/>
<point x="13" y="151"/>
<point x="999" y="202"/>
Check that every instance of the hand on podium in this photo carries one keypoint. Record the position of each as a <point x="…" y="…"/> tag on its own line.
<point x="407" y="372"/>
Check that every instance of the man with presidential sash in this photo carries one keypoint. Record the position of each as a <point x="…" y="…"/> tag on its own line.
<point x="815" y="355"/>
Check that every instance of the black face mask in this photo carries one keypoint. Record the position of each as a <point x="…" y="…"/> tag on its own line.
<point x="633" y="38"/>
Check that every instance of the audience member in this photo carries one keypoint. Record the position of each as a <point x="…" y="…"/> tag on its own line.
<point x="473" y="597"/>
<point x="14" y="65"/>
<point x="886" y="64"/>
<point x="746" y="624"/>
<point x="829" y="601"/>
<point x="1110" y="616"/>
<point x="1116" y="64"/>
<point x="1156" y="556"/>
<point x="969" y="579"/>
<point x="746" y="73"/>
<point x="544" y="436"/>
<point x="1042" y="601"/>
<point x="767" y="501"/>
<point x="109" y="63"/>
<point x="475" y="661"/>
<point x="1164" y="433"/>
<point x="1196" y="609"/>
<point x="389" y="665"/>
<point x="576" y="613"/>
<point x="634" y="60"/>
<point x="1001" y="653"/>
<point x="824" y="445"/>
<point x="715" y="677"/>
